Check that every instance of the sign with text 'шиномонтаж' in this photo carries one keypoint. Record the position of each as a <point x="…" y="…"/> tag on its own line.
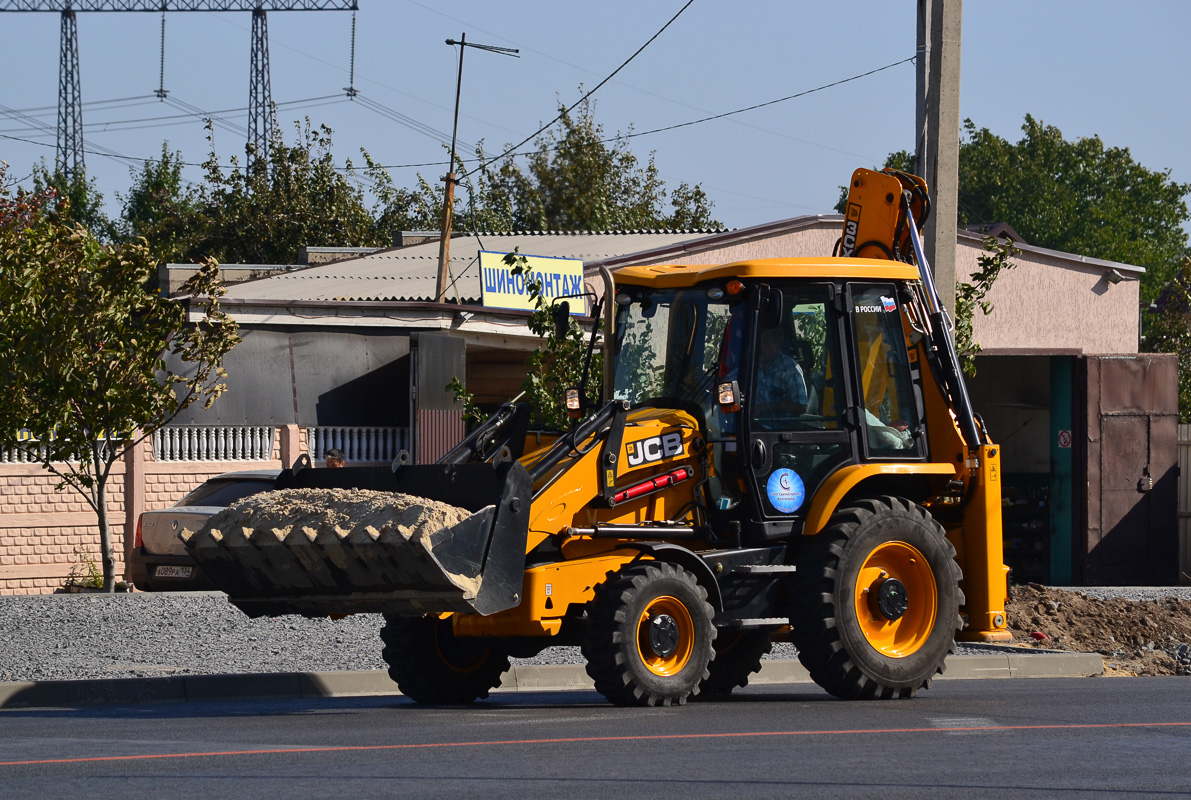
<point x="559" y="277"/>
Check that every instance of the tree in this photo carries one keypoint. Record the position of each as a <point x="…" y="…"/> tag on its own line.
<point x="265" y="212"/>
<point x="84" y="344"/>
<point x="161" y="208"/>
<point x="1168" y="330"/>
<point x="76" y="199"/>
<point x="1076" y="196"/>
<point x="574" y="180"/>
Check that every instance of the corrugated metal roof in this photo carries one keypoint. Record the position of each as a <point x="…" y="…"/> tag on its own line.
<point x="411" y="273"/>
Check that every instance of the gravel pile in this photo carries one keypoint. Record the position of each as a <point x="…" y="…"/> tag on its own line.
<point x="70" y="637"/>
<point x="87" y="636"/>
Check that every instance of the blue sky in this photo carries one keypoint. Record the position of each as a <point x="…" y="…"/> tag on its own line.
<point x="1116" y="70"/>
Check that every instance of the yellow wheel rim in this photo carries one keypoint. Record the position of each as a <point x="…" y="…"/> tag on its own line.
<point x="665" y="636"/>
<point x="904" y="563"/>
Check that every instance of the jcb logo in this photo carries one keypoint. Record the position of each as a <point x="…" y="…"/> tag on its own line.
<point x="851" y="227"/>
<point x="655" y="448"/>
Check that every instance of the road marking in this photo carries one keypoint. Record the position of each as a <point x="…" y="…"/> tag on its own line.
<point x="594" y="739"/>
<point x="962" y="725"/>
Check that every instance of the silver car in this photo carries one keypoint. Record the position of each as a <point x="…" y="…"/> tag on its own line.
<point x="159" y="562"/>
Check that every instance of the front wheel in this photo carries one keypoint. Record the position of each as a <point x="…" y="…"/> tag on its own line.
<point x="648" y="638"/>
<point x="431" y="665"/>
<point x="876" y="600"/>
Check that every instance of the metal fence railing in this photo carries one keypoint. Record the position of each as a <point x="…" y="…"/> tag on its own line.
<point x="213" y="443"/>
<point x="358" y="443"/>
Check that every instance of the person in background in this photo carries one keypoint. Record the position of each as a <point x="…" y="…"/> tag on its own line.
<point x="779" y="378"/>
<point x="335" y="458"/>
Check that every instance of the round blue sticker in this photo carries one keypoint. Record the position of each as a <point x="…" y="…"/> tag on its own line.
<point x="786" y="490"/>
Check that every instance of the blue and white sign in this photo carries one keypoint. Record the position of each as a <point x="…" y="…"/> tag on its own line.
<point x="786" y="490"/>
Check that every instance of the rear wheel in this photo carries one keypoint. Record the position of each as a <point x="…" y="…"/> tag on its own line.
<point x="649" y="633"/>
<point x="737" y="656"/>
<point x="876" y="600"/>
<point x="431" y="665"/>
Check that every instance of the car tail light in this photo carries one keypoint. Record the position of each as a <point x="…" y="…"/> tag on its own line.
<point x="139" y="542"/>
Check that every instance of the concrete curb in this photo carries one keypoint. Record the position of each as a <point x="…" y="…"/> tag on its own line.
<point x="521" y="678"/>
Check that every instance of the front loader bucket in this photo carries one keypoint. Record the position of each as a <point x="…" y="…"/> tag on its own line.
<point x="338" y="550"/>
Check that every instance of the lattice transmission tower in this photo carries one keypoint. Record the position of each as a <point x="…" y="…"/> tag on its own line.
<point x="69" y="155"/>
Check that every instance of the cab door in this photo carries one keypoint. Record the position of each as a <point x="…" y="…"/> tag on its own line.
<point x="793" y="411"/>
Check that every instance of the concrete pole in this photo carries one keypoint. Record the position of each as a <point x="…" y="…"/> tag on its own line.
<point x="921" y="93"/>
<point x="944" y="20"/>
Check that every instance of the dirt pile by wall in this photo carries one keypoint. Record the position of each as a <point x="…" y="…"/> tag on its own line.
<point x="1136" y="637"/>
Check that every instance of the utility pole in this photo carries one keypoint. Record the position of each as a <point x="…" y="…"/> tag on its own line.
<point x="448" y="209"/>
<point x="260" y="94"/>
<point x="69" y="157"/>
<point x="940" y="24"/>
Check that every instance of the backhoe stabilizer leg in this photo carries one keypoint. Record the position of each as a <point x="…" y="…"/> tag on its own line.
<point x="985" y="586"/>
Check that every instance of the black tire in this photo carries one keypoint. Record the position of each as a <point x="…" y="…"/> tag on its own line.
<point x="856" y="648"/>
<point x="430" y="665"/>
<point x="738" y="655"/>
<point x="648" y="637"/>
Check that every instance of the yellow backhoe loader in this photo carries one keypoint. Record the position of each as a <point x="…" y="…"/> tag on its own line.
<point x="785" y="447"/>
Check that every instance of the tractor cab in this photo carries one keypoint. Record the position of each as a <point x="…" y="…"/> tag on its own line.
<point x="794" y="370"/>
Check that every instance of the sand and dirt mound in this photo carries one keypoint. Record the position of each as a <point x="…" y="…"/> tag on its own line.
<point x="1136" y="637"/>
<point x="335" y="540"/>
<point x="337" y="511"/>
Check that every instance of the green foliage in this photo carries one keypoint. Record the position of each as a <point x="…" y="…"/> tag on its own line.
<point x="84" y="346"/>
<point x="265" y="212"/>
<point x="1168" y="330"/>
<point x="162" y="209"/>
<point x="399" y="209"/>
<point x="84" y="573"/>
<point x="557" y="364"/>
<point x="76" y="200"/>
<point x="472" y="414"/>
<point x="970" y="296"/>
<point x="1076" y="196"/>
<point x="575" y="180"/>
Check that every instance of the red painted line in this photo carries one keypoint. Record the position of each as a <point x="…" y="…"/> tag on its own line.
<point x="589" y="739"/>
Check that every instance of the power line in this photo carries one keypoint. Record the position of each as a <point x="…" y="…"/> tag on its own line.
<point x="771" y="102"/>
<point x="633" y="135"/>
<point x="567" y="110"/>
<point x="403" y="119"/>
<point x="147" y="98"/>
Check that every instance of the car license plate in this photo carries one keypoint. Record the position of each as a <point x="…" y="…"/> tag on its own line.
<point x="174" y="572"/>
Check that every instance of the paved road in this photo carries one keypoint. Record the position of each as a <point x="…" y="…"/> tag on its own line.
<point x="1051" y="738"/>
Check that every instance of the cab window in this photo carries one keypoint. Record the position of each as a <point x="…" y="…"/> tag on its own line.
<point x="889" y="409"/>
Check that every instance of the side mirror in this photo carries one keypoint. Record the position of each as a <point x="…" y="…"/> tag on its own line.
<point x="728" y="394"/>
<point x="573" y="402"/>
<point x="562" y="318"/>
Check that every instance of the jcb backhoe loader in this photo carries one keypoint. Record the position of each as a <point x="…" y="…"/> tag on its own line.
<point x="785" y="445"/>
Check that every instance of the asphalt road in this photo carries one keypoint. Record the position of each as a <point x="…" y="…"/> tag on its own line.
<point x="1099" y="737"/>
